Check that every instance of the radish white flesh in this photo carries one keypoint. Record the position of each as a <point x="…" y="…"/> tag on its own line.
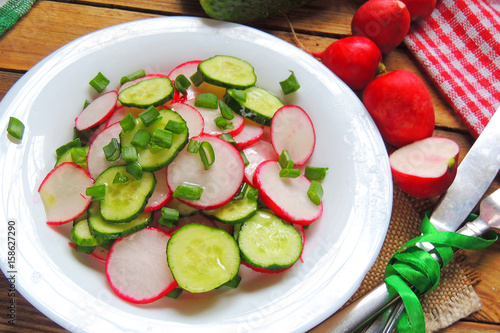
<point x="220" y="182"/>
<point x="292" y="130"/>
<point x="161" y="194"/>
<point x="286" y="197"/>
<point x="63" y="193"/>
<point x="96" y="160"/>
<point x="137" y="268"/>
<point x="193" y="118"/>
<point x="256" y="154"/>
<point x="118" y="114"/>
<point x="95" y="133"/>
<point x="97" y="112"/>
<point x="211" y="128"/>
<point x="250" y="134"/>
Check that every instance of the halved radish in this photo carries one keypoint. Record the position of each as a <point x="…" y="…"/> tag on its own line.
<point x="63" y="193"/>
<point x="211" y="128"/>
<point x="193" y="118"/>
<point x="97" y="111"/>
<point x="250" y="134"/>
<point x="220" y="182"/>
<point x="137" y="268"/>
<point x="293" y="130"/>
<point x="286" y="197"/>
<point x="96" y="160"/>
<point x="257" y="153"/>
<point x="161" y="194"/>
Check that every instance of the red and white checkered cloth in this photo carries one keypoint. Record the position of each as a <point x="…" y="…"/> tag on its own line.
<point x="459" y="47"/>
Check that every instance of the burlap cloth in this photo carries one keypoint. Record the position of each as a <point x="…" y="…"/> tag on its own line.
<point x="455" y="297"/>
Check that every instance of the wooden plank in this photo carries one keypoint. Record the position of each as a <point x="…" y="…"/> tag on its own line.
<point x="468" y="327"/>
<point x="7" y="80"/>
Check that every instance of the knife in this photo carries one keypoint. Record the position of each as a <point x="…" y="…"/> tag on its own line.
<point x="474" y="175"/>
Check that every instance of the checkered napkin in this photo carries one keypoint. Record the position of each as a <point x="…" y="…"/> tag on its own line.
<point x="11" y="11"/>
<point x="459" y="47"/>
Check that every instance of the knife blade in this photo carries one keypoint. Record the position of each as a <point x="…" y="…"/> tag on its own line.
<point x="474" y="175"/>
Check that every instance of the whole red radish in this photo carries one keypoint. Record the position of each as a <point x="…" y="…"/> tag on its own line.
<point x="401" y="106"/>
<point x="425" y="168"/>
<point x="355" y="60"/>
<point x="385" y="22"/>
<point x="420" y="9"/>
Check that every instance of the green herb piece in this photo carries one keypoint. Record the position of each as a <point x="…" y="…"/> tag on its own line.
<point x="207" y="154"/>
<point x="315" y="192"/>
<point x="99" y="82"/>
<point x="135" y="169"/>
<point x="206" y="100"/>
<point x="149" y="115"/>
<point x="15" y="128"/>
<point x="188" y="192"/>
<point x="176" y="127"/>
<point x="133" y="76"/>
<point x="290" y="173"/>
<point x="225" y="110"/>
<point x="193" y="146"/>
<point x="162" y="138"/>
<point x="315" y="173"/>
<point x="67" y="146"/>
<point x="181" y="83"/>
<point x="290" y="85"/>
<point x="285" y="160"/>
<point x="120" y="179"/>
<point x="141" y="138"/>
<point x="112" y="150"/>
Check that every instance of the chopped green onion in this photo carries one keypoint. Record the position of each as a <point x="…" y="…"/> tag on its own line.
<point x="86" y="103"/>
<point x="149" y="115"/>
<point x="141" y="138"/>
<point x="245" y="159"/>
<point x="175" y="293"/>
<point x="223" y="124"/>
<point x="241" y="191"/>
<point x="169" y="217"/>
<point x="176" y="126"/>
<point x="129" y="154"/>
<point x="181" y="83"/>
<point x="128" y="123"/>
<point x="78" y="155"/>
<point x="285" y="160"/>
<point x="162" y="138"/>
<point x="253" y="194"/>
<point x="67" y="146"/>
<point x="120" y="179"/>
<point x="225" y="110"/>
<point x="290" y="85"/>
<point x="82" y="135"/>
<point x="315" y="192"/>
<point x="112" y="150"/>
<point x="99" y="82"/>
<point x="315" y="173"/>
<point x="206" y="100"/>
<point x="188" y="192"/>
<point x="15" y="128"/>
<point x="239" y="95"/>
<point x="290" y="173"/>
<point x="133" y="76"/>
<point x="97" y="192"/>
<point x="228" y="138"/>
<point x="135" y="169"/>
<point x="197" y="79"/>
<point x="207" y="154"/>
<point x="193" y="146"/>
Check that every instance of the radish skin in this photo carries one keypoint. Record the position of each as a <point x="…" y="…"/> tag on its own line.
<point x="194" y="120"/>
<point x="250" y="134"/>
<point x="161" y="194"/>
<point x="97" y="112"/>
<point x="256" y="154"/>
<point x="96" y="160"/>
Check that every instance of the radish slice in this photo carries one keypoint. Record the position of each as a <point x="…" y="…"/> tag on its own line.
<point x="211" y="128"/>
<point x="193" y="118"/>
<point x="118" y="114"/>
<point x="96" y="160"/>
<point x="137" y="268"/>
<point x="250" y="134"/>
<point x="97" y="112"/>
<point x="220" y="182"/>
<point x="95" y="133"/>
<point x="63" y="193"/>
<point x="286" y="197"/>
<point x="292" y="130"/>
<point x="256" y="154"/>
<point x="161" y="194"/>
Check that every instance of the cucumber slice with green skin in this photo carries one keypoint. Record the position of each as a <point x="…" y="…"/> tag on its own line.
<point x="154" y="91"/>
<point x="152" y="159"/>
<point x="235" y="211"/>
<point x="123" y="202"/>
<point x="266" y="241"/>
<point x="100" y="228"/>
<point x="81" y="236"/>
<point x="202" y="258"/>
<point x="260" y="105"/>
<point x="184" y="210"/>
<point x="227" y="71"/>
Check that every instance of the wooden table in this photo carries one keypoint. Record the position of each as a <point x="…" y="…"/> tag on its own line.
<point x="51" y="24"/>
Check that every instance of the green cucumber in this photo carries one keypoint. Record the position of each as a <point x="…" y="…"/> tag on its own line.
<point x="80" y="235"/>
<point x="260" y="105"/>
<point x="154" y="91"/>
<point x="152" y="159"/>
<point x="266" y="241"/>
<point x="123" y="202"/>
<point x="183" y="209"/>
<point x="235" y="211"/>
<point x="227" y="71"/>
<point x="202" y="258"/>
<point x="100" y="228"/>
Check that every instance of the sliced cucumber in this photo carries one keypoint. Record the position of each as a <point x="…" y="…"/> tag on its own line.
<point x="154" y="91"/>
<point x="260" y="105"/>
<point x="100" y="228"/>
<point x="183" y="209"/>
<point x="202" y="258"/>
<point x="265" y="241"/>
<point x="228" y="72"/>
<point x="235" y="211"/>
<point x="80" y="235"/>
<point x="152" y="159"/>
<point x="123" y="202"/>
